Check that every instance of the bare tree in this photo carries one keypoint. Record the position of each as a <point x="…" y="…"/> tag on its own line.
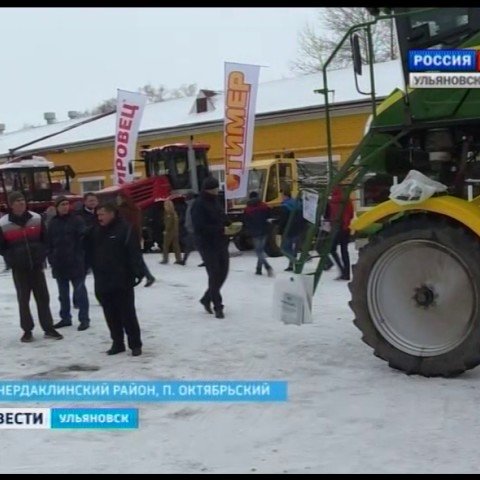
<point x="316" y="44"/>
<point x="104" y="107"/>
<point x="189" y="90"/>
<point x="161" y="93"/>
<point x="311" y="50"/>
<point x="153" y="94"/>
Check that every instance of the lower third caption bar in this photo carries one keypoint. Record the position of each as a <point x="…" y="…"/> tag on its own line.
<point x="44" y="418"/>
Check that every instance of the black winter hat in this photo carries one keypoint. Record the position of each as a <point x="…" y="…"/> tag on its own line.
<point x="253" y="194"/>
<point x="14" y="196"/>
<point x="60" y="199"/>
<point x="210" y="183"/>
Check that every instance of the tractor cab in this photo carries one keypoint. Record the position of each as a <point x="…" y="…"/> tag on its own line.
<point x="29" y="176"/>
<point x="36" y="177"/>
<point x="185" y="167"/>
<point x="269" y="178"/>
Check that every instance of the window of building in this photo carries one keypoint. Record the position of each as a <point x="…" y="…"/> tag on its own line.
<point x="136" y="176"/>
<point x="205" y="101"/>
<point x="218" y="172"/>
<point x="202" y="105"/>
<point x="91" y="184"/>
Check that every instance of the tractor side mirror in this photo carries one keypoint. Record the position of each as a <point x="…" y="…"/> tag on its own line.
<point x="356" y="54"/>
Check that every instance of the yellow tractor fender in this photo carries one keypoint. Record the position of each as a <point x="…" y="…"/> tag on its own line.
<point x="466" y="213"/>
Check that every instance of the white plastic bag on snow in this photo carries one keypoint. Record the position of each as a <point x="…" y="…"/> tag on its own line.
<point x="292" y="299"/>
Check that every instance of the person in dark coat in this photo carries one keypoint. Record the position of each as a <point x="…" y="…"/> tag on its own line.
<point x="189" y="238"/>
<point x="66" y="256"/>
<point x="340" y="221"/>
<point x="293" y="234"/>
<point x="132" y="214"/>
<point x="113" y="250"/>
<point x="48" y="214"/>
<point x="209" y="222"/>
<point x="7" y="266"/>
<point x="24" y="247"/>
<point x="88" y="210"/>
<point x="255" y="219"/>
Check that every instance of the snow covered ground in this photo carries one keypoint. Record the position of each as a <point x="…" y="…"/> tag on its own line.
<point x="347" y="411"/>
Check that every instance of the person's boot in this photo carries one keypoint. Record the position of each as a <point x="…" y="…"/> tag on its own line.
<point x="258" y="271"/>
<point x="269" y="271"/>
<point x="52" y="333"/>
<point x="328" y="265"/>
<point x="63" y="323"/>
<point x="206" y="305"/>
<point x="150" y="281"/>
<point x="27" y="337"/>
<point x="219" y="313"/>
<point x="116" y="348"/>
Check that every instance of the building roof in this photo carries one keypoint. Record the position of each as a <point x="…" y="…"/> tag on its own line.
<point x="277" y="96"/>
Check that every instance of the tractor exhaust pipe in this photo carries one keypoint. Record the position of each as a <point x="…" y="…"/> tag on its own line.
<point x="192" y="166"/>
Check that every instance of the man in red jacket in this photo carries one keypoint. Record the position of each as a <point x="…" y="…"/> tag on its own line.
<point x="342" y="236"/>
<point x="24" y="247"/>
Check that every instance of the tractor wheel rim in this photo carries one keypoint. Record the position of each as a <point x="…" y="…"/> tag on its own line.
<point x="422" y="298"/>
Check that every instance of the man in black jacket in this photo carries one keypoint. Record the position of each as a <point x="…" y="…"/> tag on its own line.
<point x="114" y="251"/>
<point x="66" y="256"/>
<point x="23" y="245"/>
<point x="209" y="222"/>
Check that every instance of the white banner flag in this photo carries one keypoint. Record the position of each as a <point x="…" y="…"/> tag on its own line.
<point x="130" y="107"/>
<point x="241" y="85"/>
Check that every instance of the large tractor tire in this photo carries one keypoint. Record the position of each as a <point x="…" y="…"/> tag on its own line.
<point x="274" y="239"/>
<point x="416" y="296"/>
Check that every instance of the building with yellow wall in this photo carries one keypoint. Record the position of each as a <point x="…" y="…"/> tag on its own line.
<point x="290" y="117"/>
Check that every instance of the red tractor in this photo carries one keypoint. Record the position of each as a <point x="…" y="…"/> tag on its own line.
<point x="38" y="179"/>
<point x="171" y="171"/>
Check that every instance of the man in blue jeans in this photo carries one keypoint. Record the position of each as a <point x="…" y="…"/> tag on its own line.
<point x="255" y="219"/>
<point x="292" y="235"/>
<point x="66" y="255"/>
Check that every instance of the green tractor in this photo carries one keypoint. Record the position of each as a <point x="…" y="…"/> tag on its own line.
<point x="415" y="290"/>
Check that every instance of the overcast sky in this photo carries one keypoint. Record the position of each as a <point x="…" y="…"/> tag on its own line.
<point x="60" y="59"/>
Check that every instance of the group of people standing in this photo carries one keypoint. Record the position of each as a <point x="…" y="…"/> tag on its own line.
<point x="106" y="239"/>
<point x="94" y="237"/>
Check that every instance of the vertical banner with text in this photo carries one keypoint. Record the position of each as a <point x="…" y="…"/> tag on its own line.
<point x="241" y="85"/>
<point x="130" y="107"/>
